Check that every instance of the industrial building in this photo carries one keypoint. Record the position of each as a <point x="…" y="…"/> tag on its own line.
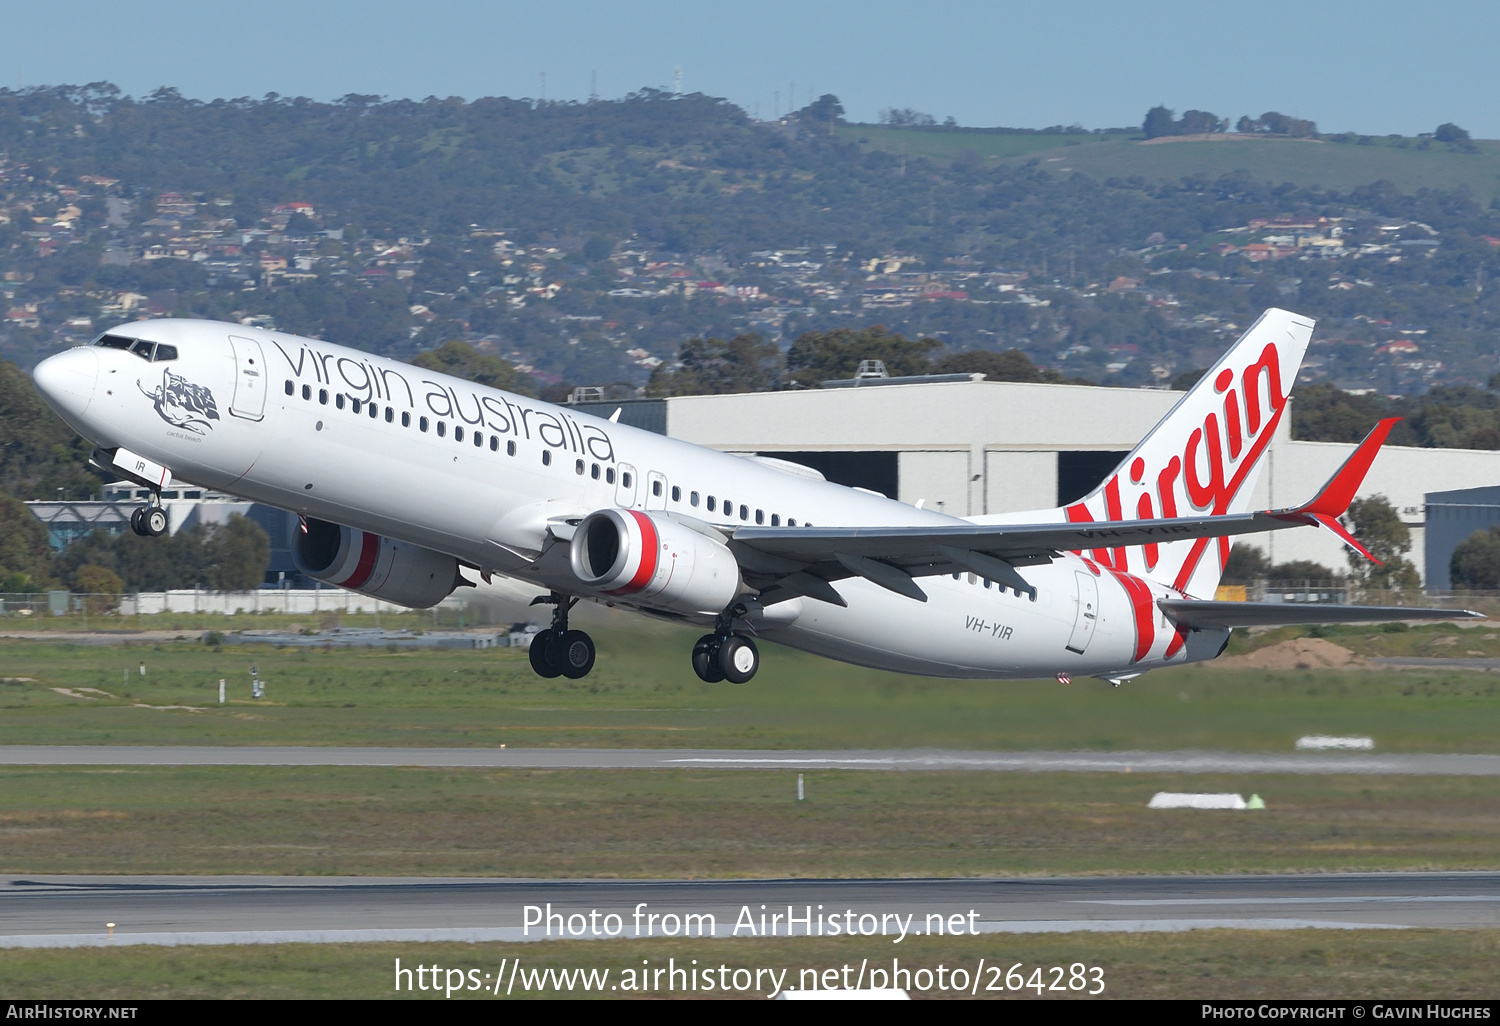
<point x="973" y="446"/>
<point x="1452" y="517"/>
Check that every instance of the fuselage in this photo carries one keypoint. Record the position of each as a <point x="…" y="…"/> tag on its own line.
<point x="436" y="461"/>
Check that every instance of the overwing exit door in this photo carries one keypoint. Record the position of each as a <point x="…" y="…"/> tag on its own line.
<point x="249" y="379"/>
<point x="1088" y="612"/>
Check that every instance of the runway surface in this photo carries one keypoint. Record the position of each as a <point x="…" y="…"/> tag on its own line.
<point x="679" y="758"/>
<point x="43" y="911"/>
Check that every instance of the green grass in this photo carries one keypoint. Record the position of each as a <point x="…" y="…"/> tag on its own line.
<point x="946" y="145"/>
<point x="643" y="694"/>
<point x="1331" y="165"/>
<point x="1430" y="641"/>
<point x="1282" y="965"/>
<point x="360" y="821"/>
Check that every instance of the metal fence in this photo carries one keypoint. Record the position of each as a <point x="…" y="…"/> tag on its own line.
<point x="187" y="600"/>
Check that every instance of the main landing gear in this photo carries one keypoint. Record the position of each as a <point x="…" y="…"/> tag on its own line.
<point x="558" y="651"/>
<point x="149" y="521"/>
<point x="724" y="655"/>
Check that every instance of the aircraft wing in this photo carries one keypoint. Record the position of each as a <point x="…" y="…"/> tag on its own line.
<point x="786" y="561"/>
<point x="1198" y="615"/>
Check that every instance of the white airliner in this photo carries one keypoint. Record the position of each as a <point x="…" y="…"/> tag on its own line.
<point x="404" y="477"/>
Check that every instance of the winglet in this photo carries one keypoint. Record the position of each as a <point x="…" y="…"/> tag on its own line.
<point x="1333" y="500"/>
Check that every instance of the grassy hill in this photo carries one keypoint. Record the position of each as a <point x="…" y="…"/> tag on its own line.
<point x="1306" y="162"/>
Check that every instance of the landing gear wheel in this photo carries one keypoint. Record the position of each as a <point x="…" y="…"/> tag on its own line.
<point x="135" y="521"/>
<point x="705" y="659"/>
<point x="738" y="659"/>
<point x="574" y="653"/>
<point x="539" y="651"/>
<point x="154" y="520"/>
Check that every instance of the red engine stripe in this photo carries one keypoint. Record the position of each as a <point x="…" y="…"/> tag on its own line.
<point x="647" y="569"/>
<point x="368" y="550"/>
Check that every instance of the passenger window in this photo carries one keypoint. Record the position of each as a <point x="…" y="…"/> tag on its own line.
<point x="957" y="576"/>
<point x="744" y="512"/>
<point x="710" y="503"/>
<point x="594" y="472"/>
<point x="760" y="516"/>
<point x="625" y="478"/>
<point x="656" y="488"/>
<point x="143" y="350"/>
<point x="422" y="424"/>
<point x="578" y="467"/>
<point x="390" y="415"/>
<point x="307" y="391"/>
<point x="354" y="405"/>
<point x="478" y="440"/>
<point x="375" y="411"/>
<point x="986" y="582"/>
<point x="494" y="443"/>
<point x="458" y="432"/>
<point x="609" y="475"/>
<point x="791" y="521"/>
<point x="442" y="429"/>
<point x="338" y="400"/>
<point x="290" y="388"/>
<point x="164" y="353"/>
<point x="510" y="448"/>
<point x="692" y="498"/>
<point x="406" y="420"/>
<point x="775" y="519"/>
<point x="676" y="494"/>
<point x="546" y="457"/>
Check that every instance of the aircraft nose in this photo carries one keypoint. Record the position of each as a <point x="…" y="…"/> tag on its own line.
<point x="68" y="380"/>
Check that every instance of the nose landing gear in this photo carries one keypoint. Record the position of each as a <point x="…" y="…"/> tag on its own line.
<point x="149" y="521"/>
<point x="558" y="651"/>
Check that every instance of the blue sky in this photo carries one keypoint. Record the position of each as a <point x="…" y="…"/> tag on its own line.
<point x="1375" y="67"/>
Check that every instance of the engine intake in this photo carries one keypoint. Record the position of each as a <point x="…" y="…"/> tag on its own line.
<point x="407" y="575"/>
<point x="654" y="561"/>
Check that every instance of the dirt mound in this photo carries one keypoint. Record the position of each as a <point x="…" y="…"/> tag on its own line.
<point x="1297" y="654"/>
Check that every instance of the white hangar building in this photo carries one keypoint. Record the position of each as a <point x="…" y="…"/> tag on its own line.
<point x="972" y="446"/>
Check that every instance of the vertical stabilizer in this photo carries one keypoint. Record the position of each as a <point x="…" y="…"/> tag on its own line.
<point x="1204" y="456"/>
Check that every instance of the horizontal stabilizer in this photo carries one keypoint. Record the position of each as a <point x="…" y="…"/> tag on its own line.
<point x="1207" y="615"/>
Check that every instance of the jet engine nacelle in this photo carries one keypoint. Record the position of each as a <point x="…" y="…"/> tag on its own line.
<point x="652" y="560"/>
<point x="392" y="571"/>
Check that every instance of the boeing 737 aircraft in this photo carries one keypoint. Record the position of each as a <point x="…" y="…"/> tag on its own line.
<point x="404" y="479"/>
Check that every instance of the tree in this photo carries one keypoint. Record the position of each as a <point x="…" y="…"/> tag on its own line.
<point x="1011" y="365"/>
<point x="464" y="361"/>
<point x="1448" y="132"/>
<point x="1246" y="565"/>
<point x="746" y="363"/>
<point x="1201" y="122"/>
<point x="1159" y="122"/>
<point x="817" y="356"/>
<point x="826" y="110"/>
<point x="236" y="554"/>
<point x="24" y="551"/>
<point x="1184" y="381"/>
<point x="100" y="585"/>
<point x="1475" y="563"/>
<point x="1375" y="523"/>
<point x="1295" y="570"/>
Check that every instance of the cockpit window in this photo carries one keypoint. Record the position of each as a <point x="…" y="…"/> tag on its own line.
<point x="143" y="350"/>
<point x="164" y="352"/>
<point x="114" y="342"/>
